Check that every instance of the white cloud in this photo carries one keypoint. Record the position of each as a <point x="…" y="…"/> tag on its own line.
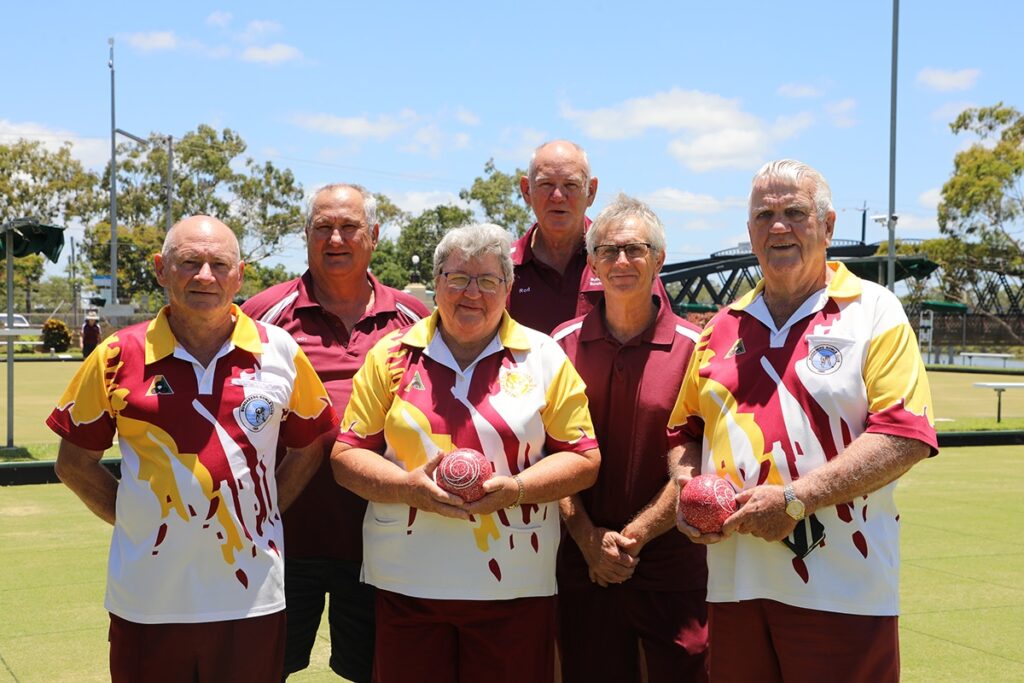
<point x="841" y="113"/>
<point x="516" y="144"/>
<point x="948" y="112"/>
<point x="467" y="117"/>
<point x="909" y="222"/>
<point x="799" y="90"/>
<point x="271" y="54"/>
<point x="930" y="198"/>
<point x="416" y="202"/>
<point x="461" y="140"/>
<point x="716" y="132"/>
<point x="673" y="111"/>
<point x="258" y="28"/>
<point x="92" y="152"/>
<point x="381" y="127"/>
<point x="153" y="41"/>
<point x="219" y="18"/>
<point x="945" y="80"/>
<point x="426" y="140"/>
<point x="673" y="199"/>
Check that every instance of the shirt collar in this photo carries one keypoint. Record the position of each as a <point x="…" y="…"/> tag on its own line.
<point x="510" y="333"/>
<point x="160" y="340"/>
<point x="522" y="248"/>
<point x="661" y="331"/>
<point x="383" y="297"/>
<point x="840" y="284"/>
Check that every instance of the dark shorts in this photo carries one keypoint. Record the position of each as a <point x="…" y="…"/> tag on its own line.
<point x="609" y="634"/>
<point x="453" y="641"/>
<point x="249" y="650"/>
<point x="767" y="641"/>
<point x="350" y="614"/>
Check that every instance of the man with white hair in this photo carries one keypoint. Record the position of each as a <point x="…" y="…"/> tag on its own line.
<point x="809" y="396"/>
<point x="198" y="399"/>
<point x="336" y="311"/>
<point x="553" y="282"/>
<point x="623" y="581"/>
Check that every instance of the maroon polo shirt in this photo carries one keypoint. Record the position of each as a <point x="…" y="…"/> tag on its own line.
<point x="326" y="520"/>
<point x="632" y="388"/>
<point x="543" y="298"/>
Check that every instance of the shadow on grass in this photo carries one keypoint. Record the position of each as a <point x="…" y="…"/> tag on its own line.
<point x="15" y="454"/>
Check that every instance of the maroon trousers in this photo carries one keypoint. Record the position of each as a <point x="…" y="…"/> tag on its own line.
<point x="767" y="641"/>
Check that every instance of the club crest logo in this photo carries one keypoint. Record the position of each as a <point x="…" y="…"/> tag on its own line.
<point x="738" y="349"/>
<point x="516" y="383"/>
<point x="824" y="359"/>
<point x="256" y="412"/>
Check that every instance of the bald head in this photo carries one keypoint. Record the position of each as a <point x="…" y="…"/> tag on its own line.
<point x="560" y="151"/>
<point x="559" y="189"/>
<point x="204" y="227"/>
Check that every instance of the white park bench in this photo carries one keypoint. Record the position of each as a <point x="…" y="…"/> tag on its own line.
<point x="971" y="355"/>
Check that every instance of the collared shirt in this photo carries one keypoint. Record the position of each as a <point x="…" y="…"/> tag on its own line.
<point x="197" y="532"/>
<point x="632" y="388"/>
<point x="771" y="404"/>
<point x="326" y="519"/>
<point x="543" y="298"/>
<point x="517" y="402"/>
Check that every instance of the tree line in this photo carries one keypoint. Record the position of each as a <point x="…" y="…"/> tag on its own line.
<point x="980" y="215"/>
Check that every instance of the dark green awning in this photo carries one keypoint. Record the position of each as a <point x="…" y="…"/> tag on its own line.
<point x="32" y="237"/>
<point x="944" y="306"/>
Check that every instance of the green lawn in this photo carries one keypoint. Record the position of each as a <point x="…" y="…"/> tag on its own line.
<point x="962" y="595"/>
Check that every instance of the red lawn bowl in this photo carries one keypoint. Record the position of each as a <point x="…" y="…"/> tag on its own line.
<point x="463" y="473"/>
<point x="707" y="501"/>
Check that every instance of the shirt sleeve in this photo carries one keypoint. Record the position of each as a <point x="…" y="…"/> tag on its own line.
<point x="899" y="397"/>
<point x="566" y="415"/>
<point x="684" y="422"/>
<point x="85" y="414"/>
<point x="310" y="413"/>
<point x="362" y="425"/>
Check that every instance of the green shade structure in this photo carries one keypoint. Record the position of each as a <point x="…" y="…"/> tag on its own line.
<point x="23" y="237"/>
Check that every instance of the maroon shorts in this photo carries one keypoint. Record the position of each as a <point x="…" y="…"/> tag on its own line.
<point x="238" y="650"/>
<point x="766" y="641"/>
<point x="447" y="641"/>
<point x="601" y="632"/>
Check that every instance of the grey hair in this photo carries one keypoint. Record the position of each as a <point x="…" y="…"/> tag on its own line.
<point x="170" y="238"/>
<point x="474" y="241"/>
<point x="369" y="202"/>
<point x="622" y="207"/>
<point x="531" y="173"/>
<point x="794" y="172"/>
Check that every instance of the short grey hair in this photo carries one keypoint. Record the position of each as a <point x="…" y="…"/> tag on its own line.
<point x="620" y="209"/>
<point x="369" y="202"/>
<point x="474" y="241"/>
<point x="531" y="172"/>
<point x="794" y="172"/>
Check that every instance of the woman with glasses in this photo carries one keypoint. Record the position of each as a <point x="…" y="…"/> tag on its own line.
<point x="465" y="590"/>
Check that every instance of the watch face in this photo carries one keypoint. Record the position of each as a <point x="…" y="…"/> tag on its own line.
<point x="795" y="509"/>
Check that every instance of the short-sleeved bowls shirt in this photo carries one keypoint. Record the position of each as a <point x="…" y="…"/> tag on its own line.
<point x="197" y="534"/>
<point x="773" y="404"/>
<point x="519" y="401"/>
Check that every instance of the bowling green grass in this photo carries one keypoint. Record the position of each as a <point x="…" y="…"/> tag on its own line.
<point x="962" y="589"/>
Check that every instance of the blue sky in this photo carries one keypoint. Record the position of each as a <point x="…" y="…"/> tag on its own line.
<point x="678" y="102"/>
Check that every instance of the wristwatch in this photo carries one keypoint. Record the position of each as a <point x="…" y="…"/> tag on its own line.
<point x="794" y="506"/>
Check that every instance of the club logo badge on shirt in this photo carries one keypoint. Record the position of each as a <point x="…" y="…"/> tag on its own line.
<point x="159" y="387"/>
<point x="515" y="382"/>
<point x="824" y="359"/>
<point x="738" y="349"/>
<point x="256" y="411"/>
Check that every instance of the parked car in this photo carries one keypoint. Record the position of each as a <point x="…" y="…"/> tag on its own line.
<point x="19" y="320"/>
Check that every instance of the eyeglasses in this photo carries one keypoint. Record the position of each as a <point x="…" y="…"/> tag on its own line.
<point x="610" y="252"/>
<point x="488" y="284"/>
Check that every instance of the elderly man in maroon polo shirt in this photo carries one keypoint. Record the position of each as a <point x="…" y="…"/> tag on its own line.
<point x="336" y="311"/>
<point x="553" y="282"/>
<point x="622" y="580"/>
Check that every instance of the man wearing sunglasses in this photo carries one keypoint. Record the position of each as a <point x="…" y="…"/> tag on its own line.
<point x="552" y="280"/>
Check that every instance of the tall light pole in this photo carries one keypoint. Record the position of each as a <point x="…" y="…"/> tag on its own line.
<point x="113" y="182"/>
<point x="891" y="258"/>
